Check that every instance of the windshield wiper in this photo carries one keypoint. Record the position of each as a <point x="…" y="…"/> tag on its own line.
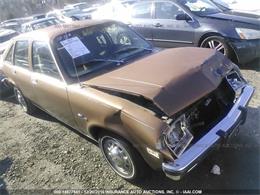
<point x="126" y="49"/>
<point x="119" y="62"/>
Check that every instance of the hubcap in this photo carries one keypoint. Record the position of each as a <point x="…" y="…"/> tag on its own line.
<point x="118" y="157"/>
<point x="217" y="45"/>
<point x="21" y="100"/>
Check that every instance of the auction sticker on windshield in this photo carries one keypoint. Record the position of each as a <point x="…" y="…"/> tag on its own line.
<point x="75" y="47"/>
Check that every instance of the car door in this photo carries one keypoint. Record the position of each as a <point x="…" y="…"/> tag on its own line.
<point x="141" y="19"/>
<point x="50" y="90"/>
<point x="20" y="72"/>
<point x="168" y="31"/>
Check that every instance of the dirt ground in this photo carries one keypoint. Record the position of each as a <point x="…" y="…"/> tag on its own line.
<point x="38" y="152"/>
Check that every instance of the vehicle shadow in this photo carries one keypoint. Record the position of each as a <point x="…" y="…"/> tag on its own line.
<point x="254" y="65"/>
<point x="238" y="160"/>
<point x="45" y="116"/>
<point x="38" y="113"/>
<point x="5" y="165"/>
<point x="8" y="98"/>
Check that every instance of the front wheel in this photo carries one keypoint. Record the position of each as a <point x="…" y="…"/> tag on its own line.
<point x="123" y="158"/>
<point x="218" y="43"/>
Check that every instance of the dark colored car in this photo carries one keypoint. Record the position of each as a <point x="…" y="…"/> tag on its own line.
<point x="139" y="103"/>
<point x="5" y="36"/>
<point x="178" y="23"/>
<point x="82" y="15"/>
<point x="16" y="26"/>
<point x="5" y="88"/>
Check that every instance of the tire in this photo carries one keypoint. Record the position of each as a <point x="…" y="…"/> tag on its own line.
<point x="25" y="104"/>
<point x="218" y="43"/>
<point x="133" y="168"/>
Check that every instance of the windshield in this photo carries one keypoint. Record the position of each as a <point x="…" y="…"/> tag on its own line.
<point x="200" y="7"/>
<point x="102" y="46"/>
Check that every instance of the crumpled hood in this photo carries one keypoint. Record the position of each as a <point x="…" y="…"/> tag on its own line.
<point x="173" y="78"/>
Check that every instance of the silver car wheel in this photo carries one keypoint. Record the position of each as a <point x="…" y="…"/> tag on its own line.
<point x="217" y="45"/>
<point x="118" y="157"/>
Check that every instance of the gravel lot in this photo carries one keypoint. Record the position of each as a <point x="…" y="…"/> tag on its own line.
<point x="38" y="152"/>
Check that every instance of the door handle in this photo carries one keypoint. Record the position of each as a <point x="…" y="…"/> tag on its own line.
<point x="34" y="81"/>
<point x="157" y="25"/>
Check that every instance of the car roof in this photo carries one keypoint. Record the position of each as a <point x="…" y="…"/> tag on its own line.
<point x="51" y="32"/>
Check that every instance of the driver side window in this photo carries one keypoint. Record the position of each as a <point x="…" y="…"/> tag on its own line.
<point x="166" y="10"/>
<point x="43" y="61"/>
<point x="142" y="10"/>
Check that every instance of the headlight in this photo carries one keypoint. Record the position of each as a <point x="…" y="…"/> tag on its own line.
<point x="235" y="80"/>
<point x="178" y="136"/>
<point x="245" y="33"/>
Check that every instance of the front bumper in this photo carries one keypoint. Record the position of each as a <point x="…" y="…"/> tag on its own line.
<point x="246" y="50"/>
<point x="191" y="157"/>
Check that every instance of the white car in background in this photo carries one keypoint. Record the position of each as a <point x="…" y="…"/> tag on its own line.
<point x="114" y="10"/>
<point x="248" y="6"/>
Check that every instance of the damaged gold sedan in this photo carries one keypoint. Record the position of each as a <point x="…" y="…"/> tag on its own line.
<point x="146" y="107"/>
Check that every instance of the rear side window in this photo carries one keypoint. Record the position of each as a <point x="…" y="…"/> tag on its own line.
<point x="9" y="56"/>
<point x="142" y="10"/>
<point x="21" y="54"/>
<point x="43" y="61"/>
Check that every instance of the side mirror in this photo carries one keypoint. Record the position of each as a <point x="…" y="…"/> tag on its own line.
<point x="183" y="17"/>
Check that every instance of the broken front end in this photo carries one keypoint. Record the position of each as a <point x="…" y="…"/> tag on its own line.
<point x="196" y="129"/>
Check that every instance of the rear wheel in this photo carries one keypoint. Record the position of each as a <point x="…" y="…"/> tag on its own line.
<point x="25" y="104"/>
<point x="123" y="158"/>
<point x="217" y="43"/>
